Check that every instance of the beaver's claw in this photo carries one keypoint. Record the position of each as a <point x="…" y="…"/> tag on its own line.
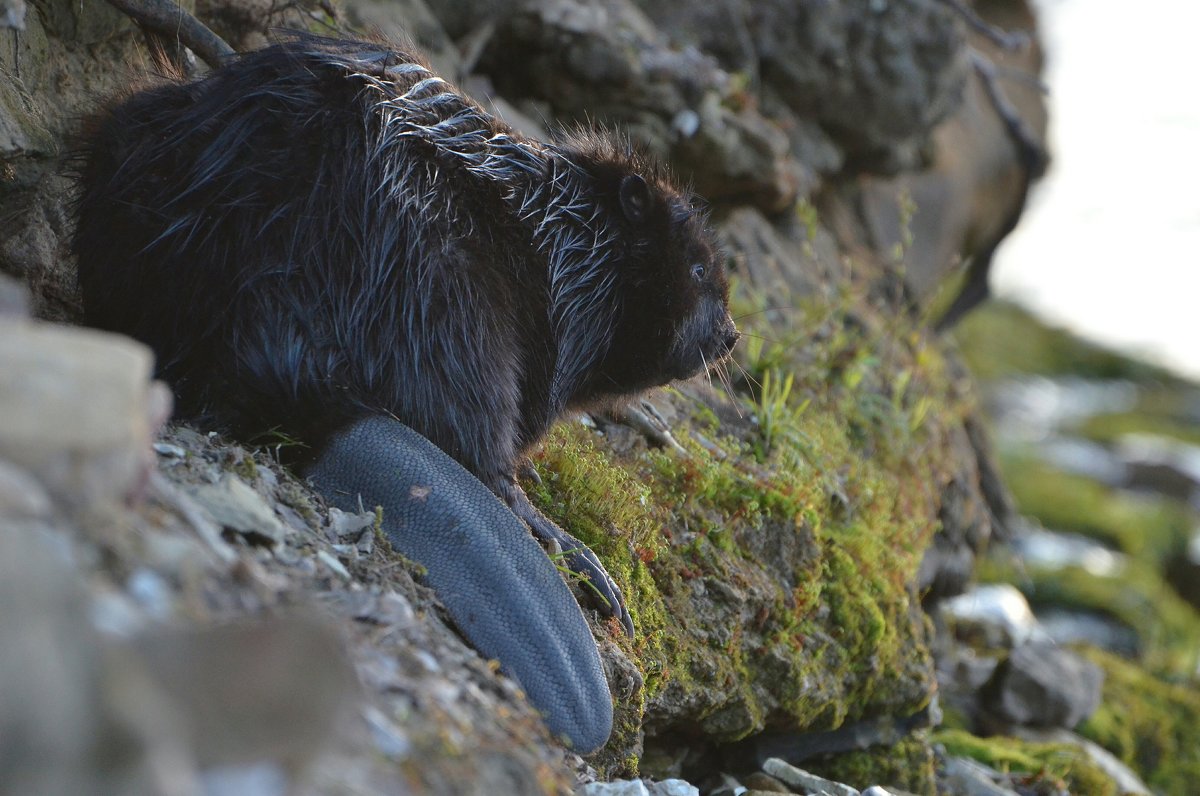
<point x="576" y="556"/>
<point x="605" y="592"/>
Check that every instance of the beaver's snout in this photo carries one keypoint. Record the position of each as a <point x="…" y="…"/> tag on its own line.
<point x="727" y="335"/>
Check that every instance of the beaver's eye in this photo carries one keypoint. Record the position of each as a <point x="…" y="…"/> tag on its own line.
<point x="698" y="272"/>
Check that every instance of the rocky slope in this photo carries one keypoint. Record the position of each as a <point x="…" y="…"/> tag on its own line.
<point x="218" y="630"/>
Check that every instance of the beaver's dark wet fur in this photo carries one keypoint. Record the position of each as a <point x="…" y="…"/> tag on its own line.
<point x="324" y="229"/>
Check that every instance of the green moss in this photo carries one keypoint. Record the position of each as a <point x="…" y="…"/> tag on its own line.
<point x="605" y="508"/>
<point x="1059" y="766"/>
<point x="1144" y="526"/>
<point x="908" y="765"/>
<point x="1112" y="427"/>
<point x="770" y="569"/>
<point x="243" y="464"/>
<point x="1001" y="339"/>
<point x="1151" y="725"/>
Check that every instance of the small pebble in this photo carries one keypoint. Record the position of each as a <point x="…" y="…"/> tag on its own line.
<point x="686" y="123"/>
<point x="115" y="614"/>
<point x="618" y="787"/>
<point x="331" y="561"/>
<point x="390" y="740"/>
<point x="151" y="592"/>
<point x="809" y="783"/>
<point x="254" y="779"/>
<point x="169" y="451"/>
<point x="673" y="787"/>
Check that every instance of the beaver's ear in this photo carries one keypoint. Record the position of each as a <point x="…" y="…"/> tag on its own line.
<point x="635" y="198"/>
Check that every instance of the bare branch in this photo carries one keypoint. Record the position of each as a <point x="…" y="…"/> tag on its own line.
<point x="1032" y="153"/>
<point x="167" y="19"/>
<point x="1004" y="39"/>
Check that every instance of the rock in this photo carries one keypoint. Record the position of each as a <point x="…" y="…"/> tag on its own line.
<point x="975" y="509"/>
<point x="810" y="783"/>
<point x="169" y="451"/>
<point x="965" y="777"/>
<point x="409" y="21"/>
<point x="151" y="592"/>
<point x="1183" y="570"/>
<point x="1042" y="685"/>
<point x="761" y="782"/>
<point x="234" y="505"/>
<point x="75" y="715"/>
<point x="234" y="688"/>
<point x="14" y="298"/>
<point x="965" y="187"/>
<point x="993" y="616"/>
<point x="253" y="779"/>
<point x="350" y="527"/>
<point x="878" y="78"/>
<point x="193" y="515"/>
<point x="609" y="64"/>
<point x="1161" y="465"/>
<point x="966" y="525"/>
<point x="390" y="739"/>
<point x="21" y="496"/>
<point x="48" y="82"/>
<point x="77" y="410"/>
<point x="1087" y="458"/>
<point x="962" y="672"/>
<point x="47" y="708"/>
<point x="1043" y="549"/>
<point x="1126" y="780"/>
<point x="12" y="14"/>
<point x="740" y="156"/>
<point x="780" y="259"/>
<point x="13" y="139"/>
<point x="851" y="736"/>
<point x="1066" y="626"/>
<point x="673" y="787"/>
<point x="332" y="564"/>
<point x="722" y="784"/>
<point x="1034" y="408"/>
<point x="617" y="787"/>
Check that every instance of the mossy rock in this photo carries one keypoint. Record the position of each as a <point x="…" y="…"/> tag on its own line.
<point x="1059" y="767"/>
<point x="909" y="765"/>
<point x="1144" y="526"/>
<point x="1167" y="627"/>
<point x="1151" y="724"/>
<point x="1112" y="427"/>
<point x="772" y="581"/>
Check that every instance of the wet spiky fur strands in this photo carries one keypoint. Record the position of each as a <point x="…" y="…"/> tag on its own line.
<point x="323" y="229"/>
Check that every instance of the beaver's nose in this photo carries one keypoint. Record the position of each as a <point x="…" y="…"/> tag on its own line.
<point x="728" y="335"/>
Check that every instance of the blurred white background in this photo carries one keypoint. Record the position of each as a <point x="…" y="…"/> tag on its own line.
<point x="1110" y="245"/>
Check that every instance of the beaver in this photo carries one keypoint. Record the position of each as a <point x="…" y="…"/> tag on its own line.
<point x="324" y="231"/>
